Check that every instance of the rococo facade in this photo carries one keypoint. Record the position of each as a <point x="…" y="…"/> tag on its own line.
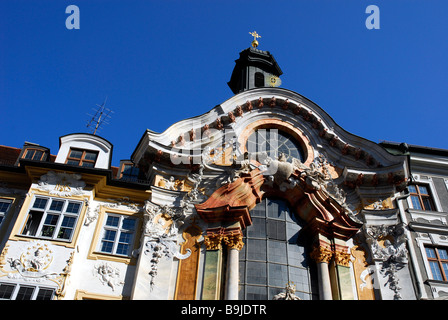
<point x="263" y="197"/>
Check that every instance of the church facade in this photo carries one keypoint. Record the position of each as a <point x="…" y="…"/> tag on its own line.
<point x="263" y="197"/>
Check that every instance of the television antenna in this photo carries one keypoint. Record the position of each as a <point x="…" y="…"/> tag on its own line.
<point x="100" y="118"/>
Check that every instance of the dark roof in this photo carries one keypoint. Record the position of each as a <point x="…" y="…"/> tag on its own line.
<point x="405" y="149"/>
<point x="9" y="155"/>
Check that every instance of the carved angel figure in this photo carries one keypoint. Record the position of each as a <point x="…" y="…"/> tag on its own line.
<point x="108" y="275"/>
<point x="289" y="293"/>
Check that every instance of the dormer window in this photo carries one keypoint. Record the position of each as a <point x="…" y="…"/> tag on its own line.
<point x="129" y="172"/>
<point x="82" y="158"/>
<point x="34" y="154"/>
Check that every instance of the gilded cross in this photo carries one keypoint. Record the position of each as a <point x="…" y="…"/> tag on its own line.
<point x="256" y="36"/>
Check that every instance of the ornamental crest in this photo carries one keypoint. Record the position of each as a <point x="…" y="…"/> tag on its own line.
<point x="61" y="184"/>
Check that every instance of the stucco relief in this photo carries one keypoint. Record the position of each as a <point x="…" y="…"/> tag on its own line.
<point x="61" y="184"/>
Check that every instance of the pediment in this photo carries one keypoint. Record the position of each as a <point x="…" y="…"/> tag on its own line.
<point x="360" y="161"/>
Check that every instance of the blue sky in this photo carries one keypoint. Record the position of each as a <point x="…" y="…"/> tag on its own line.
<point x="159" y="62"/>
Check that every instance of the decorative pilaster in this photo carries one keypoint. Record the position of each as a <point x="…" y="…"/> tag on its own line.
<point x="343" y="283"/>
<point x="213" y="264"/>
<point x="232" y="238"/>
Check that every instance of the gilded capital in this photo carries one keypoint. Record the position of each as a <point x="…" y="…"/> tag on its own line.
<point x="234" y="241"/>
<point x="213" y="242"/>
<point x="321" y="254"/>
<point x="342" y="258"/>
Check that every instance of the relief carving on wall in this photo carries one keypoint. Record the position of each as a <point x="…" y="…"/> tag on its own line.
<point x="35" y="264"/>
<point x="61" y="184"/>
<point x="392" y="253"/>
<point x="108" y="275"/>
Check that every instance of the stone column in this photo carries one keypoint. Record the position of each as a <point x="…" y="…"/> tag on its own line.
<point x="322" y="256"/>
<point x="234" y="243"/>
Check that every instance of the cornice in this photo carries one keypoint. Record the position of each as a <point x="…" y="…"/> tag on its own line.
<point x="204" y="130"/>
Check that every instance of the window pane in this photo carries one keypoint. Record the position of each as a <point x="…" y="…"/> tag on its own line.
<point x="412" y="189"/>
<point x="25" y="293"/>
<point x="37" y="155"/>
<point x="256" y="273"/>
<point x="90" y="156"/>
<point x="112" y="221"/>
<point x="4" y="206"/>
<point x="273" y="142"/>
<point x="128" y="224"/>
<point x="443" y="254"/>
<point x="445" y="268"/>
<point x="278" y="275"/>
<point x="430" y="253"/>
<point x="40" y="203"/>
<point x="44" y="294"/>
<point x="77" y="154"/>
<point x="416" y="203"/>
<point x="257" y="249"/>
<point x="257" y="229"/>
<point x="73" y="162"/>
<point x="6" y="291"/>
<point x="29" y="154"/>
<point x="122" y="249"/>
<point x="51" y="219"/>
<point x="56" y="205"/>
<point x="107" y="246"/>
<point x="276" y="229"/>
<point x="256" y="293"/>
<point x="436" y="274"/>
<point x="109" y="235"/>
<point x="423" y="189"/>
<point x="427" y="203"/>
<point x="66" y="228"/>
<point x="33" y="222"/>
<point x="73" y="207"/>
<point x="125" y="237"/>
<point x="277" y="252"/>
<point x="88" y="164"/>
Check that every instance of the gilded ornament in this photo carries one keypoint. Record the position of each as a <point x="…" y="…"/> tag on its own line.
<point x="234" y="241"/>
<point x="256" y="36"/>
<point x="321" y="254"/>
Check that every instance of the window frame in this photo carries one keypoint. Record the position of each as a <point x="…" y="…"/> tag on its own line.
<point x="119" y="230"/>
<point x="420" y="196"/>
<point x="267" y="253"/>
<point x="5" y="213"/>
<point x="438" y="260"/>
<point x="46" y="212"/>
<point x="95" y="254"/>
<point x="34" y="150"/>
<point x="34" y="294"/>
<point x="82" y="159"/>
<point x="281" y="138"/>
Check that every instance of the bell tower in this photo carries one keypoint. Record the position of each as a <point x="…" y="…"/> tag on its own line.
<point x="254" y="68"/>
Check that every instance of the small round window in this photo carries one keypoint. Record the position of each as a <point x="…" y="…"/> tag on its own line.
<point x="274" y="142"/>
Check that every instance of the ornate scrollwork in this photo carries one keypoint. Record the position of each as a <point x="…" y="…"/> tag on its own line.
<point x="393" y="255"/>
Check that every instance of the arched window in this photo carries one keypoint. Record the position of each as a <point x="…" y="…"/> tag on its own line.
<point x="272" y="255"/>
<point x="259" y="79"/>
<point x="274" y="142"/>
